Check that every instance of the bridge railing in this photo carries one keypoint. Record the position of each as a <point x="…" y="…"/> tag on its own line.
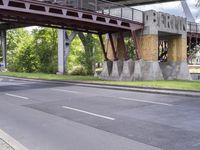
<point x="193" y="27"/>
<point x="103" y="7"/>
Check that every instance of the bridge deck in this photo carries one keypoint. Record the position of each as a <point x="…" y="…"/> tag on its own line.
<point x="193" y="29"/>
<point x="94" y="17"/>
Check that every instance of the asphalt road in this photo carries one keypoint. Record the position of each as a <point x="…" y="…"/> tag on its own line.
<point x="52" y="116"/>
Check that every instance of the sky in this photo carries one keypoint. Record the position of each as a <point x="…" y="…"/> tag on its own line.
<point x="174" y="8"/>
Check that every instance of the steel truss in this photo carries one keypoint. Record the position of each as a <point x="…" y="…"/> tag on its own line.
<point x="52" y="15"/>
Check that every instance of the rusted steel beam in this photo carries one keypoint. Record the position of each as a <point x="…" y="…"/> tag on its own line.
<point x="22" y="10"/>
<point x="103" y="47"/>
<point x="137" y="45"/>
<point x="124" y="45"/>
<point x="112" y="46"/>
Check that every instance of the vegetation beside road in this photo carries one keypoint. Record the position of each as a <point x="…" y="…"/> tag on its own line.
<point x="182" y="85"/>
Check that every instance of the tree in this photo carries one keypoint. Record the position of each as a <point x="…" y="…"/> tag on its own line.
<point x="45" y="46"/>
<point x="21" y="56"/>
<point x="198" y="3"/>
<point x="37" y="51"/>
<point x="92" y="52"/>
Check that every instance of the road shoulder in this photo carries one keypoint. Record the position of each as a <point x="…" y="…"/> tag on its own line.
<point x="9" y="143"/>
<point x="190" y="93"/>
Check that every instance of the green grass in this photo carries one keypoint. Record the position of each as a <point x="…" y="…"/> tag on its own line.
<point x="184" y="85"/>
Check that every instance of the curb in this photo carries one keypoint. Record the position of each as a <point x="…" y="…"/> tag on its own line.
<point x="11" y="141"/>
<point x="190" y="93"/>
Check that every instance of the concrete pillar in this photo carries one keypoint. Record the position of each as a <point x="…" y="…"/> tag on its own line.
<point x="149" y="66"/>
<point x="181" y="49"/>
<point x="61" y="51"/>
<point x="177" y="49"/>
<point x="4" y="48"/>
<point x="176" y="67"/>
<point x="172" y="46"/>
<point x="64" y="43"/>
<point x="149" y="47"/>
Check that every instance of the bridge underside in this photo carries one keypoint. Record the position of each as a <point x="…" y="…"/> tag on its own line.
<point x="13" y="25"/>
<point x="52" y="15"/>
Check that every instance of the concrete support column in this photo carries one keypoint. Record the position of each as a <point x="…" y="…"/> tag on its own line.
<point x="61" y="51"/>
<point x="4" y="48"/>
<point x="181" y="49"/>
<point x="172" y="53"/>
<point x="149" y="47"/>
<point x="177" y="49"/>
<point x="64" y="43"/>
<point x="176" y="67"/>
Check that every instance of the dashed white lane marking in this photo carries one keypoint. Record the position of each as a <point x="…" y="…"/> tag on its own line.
<point x="145" y="101"/>
<point x="68" y="91"/>
<point x="89" y="113"/>
<point x="17" y="96"/>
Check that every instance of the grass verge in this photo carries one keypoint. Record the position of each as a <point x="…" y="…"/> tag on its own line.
<point x="177" y="84"/>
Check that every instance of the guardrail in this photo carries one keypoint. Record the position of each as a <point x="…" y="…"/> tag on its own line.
<point x="103" y="7"/>
<point x="193" y="27"/>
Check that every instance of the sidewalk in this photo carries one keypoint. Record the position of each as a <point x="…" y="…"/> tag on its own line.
<point x="189" y="93"/>
<point x="4" y="145"/>
<point x="9" y="143"/>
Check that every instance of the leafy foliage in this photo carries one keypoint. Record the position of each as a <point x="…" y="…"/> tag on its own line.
<point x="36" y="51"/>
<point x="21" y="56"/>
<point x="198" y="3"/>
<point x="45" y="46"/>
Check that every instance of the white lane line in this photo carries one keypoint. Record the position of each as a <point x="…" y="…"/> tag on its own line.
<point x="89" y="113"/>
<point x="68" y="91"/>
<point x="145" y="101"/>
<point x="17" y="96"/>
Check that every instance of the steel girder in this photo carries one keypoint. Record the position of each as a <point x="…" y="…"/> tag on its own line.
<point x="52" y="15"/>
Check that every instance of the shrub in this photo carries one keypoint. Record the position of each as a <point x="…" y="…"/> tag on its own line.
<point x="78" y="70"/>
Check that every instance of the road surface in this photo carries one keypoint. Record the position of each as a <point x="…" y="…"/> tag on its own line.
<point x="56" y="116"/>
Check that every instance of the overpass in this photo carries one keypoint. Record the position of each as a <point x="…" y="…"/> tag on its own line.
<point x="102" y="17"/>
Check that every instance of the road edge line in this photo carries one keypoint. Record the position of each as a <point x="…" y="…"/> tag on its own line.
<point x="11" y="141"/>
<point x="163" y="91"/>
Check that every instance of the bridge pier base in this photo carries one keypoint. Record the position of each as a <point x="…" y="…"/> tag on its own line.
<point x="116" y="70"/>
<point x="176" y="67"/>
<point x="107" y="69"/>
<point x="150" y="69"/>
<point x="127" y="71"/>
<point x="175" y="70"/>
<point x="3" y="47"/>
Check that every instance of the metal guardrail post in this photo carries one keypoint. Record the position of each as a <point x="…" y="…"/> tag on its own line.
<point x="132" y="14"/>
<point x="121" y="12"/>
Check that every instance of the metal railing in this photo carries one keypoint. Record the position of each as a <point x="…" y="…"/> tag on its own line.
<point x="193" y="27"/>
<point x="103" y="7"/>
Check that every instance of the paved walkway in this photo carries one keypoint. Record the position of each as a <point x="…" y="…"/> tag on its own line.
<point x="5" y="146"/>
